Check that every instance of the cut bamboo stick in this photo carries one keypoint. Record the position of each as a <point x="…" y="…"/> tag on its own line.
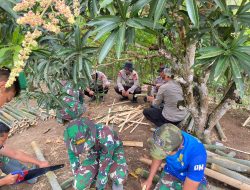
<point x="190" y="126"/>
<point x="137" y="125"/>
<point x="230" y="173"/>
<point x="132" y="143"/>
<point x="220" y="132"/>
<point x="131" y="125"/>
<point x="132" y="121"/>
<point x="225" y="179"/>
<point x="246" y="122"/>
<point x="50" y="175"/>
<point x="120" y="103"/>
<point x="122" y="125"/>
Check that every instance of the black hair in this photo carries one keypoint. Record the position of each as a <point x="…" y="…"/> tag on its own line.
<point x="3" y="128"/>
<point x="4" y="75"/>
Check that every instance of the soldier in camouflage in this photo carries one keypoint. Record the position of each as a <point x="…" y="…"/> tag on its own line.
<point x="95" y="151"/>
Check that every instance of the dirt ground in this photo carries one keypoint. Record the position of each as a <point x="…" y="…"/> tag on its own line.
<point x="49" y="137"/>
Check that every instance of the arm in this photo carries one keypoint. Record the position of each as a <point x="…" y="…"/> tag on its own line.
<point x="8" y="180"/>
<point x="153" y="169"/>
<point x="23" y="157"/>
<point x="105" y="162"/>
<point x="136" y="83"/>
<point x="159" y="97"/>
<point x="119" y="81"/>
<point x="190" y="184"/>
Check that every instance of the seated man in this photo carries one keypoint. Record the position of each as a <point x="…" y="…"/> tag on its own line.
<point x="128" y="82"/>
<point x="10" y="158"/>
<point x="99" y="85"/>
<point x="158" y="81"/>
<point x="185" y="160"/>
<point x="95" y="151"/>
<point x="170" y="93"/>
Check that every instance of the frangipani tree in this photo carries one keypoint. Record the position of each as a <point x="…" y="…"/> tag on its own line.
<point x="205" y="41"/>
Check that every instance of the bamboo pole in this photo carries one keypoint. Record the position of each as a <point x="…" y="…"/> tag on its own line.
<point x="143" y="173"/>
<point x="230" y="173"/>
<point x="149" y="162"/>
<point x="68" y="183"/>
<point x="229" y="164"/>
<point x="50" y="175"/>
<point x="190" y="126"/>
<point x="230" y="154"/>
<point x="214" y="147"/>
<point x="220" y="132"/>
<point x="225" y="179"/>
<point x="132" y="143"/>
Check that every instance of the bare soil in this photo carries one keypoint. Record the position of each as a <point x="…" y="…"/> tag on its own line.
<point x="49" y="137"/>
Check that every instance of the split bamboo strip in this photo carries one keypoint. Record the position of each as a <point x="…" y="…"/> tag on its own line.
<point x="131" y="125"/>
<point x="132" y="143"/>
<point x="140" y="95"/>
<point x="133" y="116"/>
<point x="50" y="175"/>
<point x="120" y="103"/>
<point x="220" y="132"/>
<point x="230" y="173"/>
<point x="107" y="121"/>
<point x="132" y="121"/>
<point x="225" y="179"/>
<point x="246" y="122"/>
<point x="137" y="125"/>
<point x="122" y="125"/>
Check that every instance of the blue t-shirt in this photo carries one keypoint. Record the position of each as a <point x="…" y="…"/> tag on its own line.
<point x="190" y="161"/>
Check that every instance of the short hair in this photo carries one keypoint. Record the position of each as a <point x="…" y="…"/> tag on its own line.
<point x="3" y="128"/>
<point x="4" y="76"/>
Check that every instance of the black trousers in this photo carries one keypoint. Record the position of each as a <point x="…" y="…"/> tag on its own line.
<point x="155" y="116"/>
<point x="137" y="90"/>
<point x="97" y="90"/>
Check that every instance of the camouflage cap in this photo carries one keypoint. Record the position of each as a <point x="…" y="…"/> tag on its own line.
<point x="165" y="139"/>
<point x="74" y="106"/>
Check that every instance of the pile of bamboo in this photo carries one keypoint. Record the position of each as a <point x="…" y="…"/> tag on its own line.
<point x="221" y="166"/>
<point x="124" y="117"/>
<point x="20" y="119"/>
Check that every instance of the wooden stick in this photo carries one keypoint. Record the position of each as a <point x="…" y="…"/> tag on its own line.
<point x="119" y="103"/>
<point x="225" y="179"/>
<point x="131" y="125"/>
<point x="230" y="173"/>
<point x="220" y="132"/>
<point x="246" y="122"/>
<point x="132" y="143"/>
<point x="132" y="121"/>
<point x="137" y="125"/>
<point x="122" y="125"/>
<point x="50" y="175"/>
<point x="132" y="117"/>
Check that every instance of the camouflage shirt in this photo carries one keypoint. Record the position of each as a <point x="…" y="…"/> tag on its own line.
<point x="97" y="139"/>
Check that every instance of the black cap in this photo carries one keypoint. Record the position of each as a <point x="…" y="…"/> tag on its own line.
<point x="129" y="66"/>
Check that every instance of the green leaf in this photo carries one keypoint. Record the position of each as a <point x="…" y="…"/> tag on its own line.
<point x="135" y="24"/>
<point x="85" y="37"/>
<point x="4" y="50"/>
<point x="121" y="9"/>
<point x="221" y="66"/>
<point x="153" y="5"/>
<point x="105" y="3"/>
<point x="158" y="10"/>
<point x="192" y="10"/>
<point x="148" y="23"/>
<point x="239" y="40"/>
<point x="77" y="38"/>
<point x="7" y="6"/>
<point x="107" y="46"/>
<point x="106" y="30"/>
<point x="109" y="18"/>
<point x="222" y="4"/>
<point x="245" y="8"/>
<point x="138" y="6"/>
<point x="15" y="35"/>
<point x="120" y="40"/>
<point x="210" y="52"/>
<point x="237" y="76"/>
<point x="221" y="20"/>
<point x="245" y="49"/>
<point x="130" y="35"/>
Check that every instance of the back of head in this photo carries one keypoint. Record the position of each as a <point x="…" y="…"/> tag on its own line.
<point x="168" y="72"/>
<point x="4" y="76"/>
<point x="4" y="129"/>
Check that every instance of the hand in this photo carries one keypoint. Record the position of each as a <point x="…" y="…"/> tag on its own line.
<point x="147" y="183"/>
<point x="150" y="98"/>
<point x="91" y="93"/>
<point x="10" y="179"/>
<point x="43" y="164"/>
<point x="125" y="93"/>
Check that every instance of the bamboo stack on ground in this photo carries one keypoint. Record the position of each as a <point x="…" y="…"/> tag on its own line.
<point x="19" y="119"/>
<point x="124" y="116"/>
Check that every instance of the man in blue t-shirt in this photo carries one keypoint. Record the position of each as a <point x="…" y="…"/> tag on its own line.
<point x="185" y="160"/>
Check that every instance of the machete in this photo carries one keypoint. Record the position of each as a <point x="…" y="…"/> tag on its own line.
<point x="24" y="175"/>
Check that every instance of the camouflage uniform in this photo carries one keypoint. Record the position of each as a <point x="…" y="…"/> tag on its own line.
<point x="100" y="147"/>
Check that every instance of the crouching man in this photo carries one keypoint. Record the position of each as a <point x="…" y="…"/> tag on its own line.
<point x="95" y="151"/>
<point x="185" y="160"/>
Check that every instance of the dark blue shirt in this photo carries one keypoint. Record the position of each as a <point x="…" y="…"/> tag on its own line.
<point x="189" y="161"/>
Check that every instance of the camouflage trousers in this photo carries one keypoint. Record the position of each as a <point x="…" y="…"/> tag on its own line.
<point x="169" y="182"/>
<point x="89" y="169"/>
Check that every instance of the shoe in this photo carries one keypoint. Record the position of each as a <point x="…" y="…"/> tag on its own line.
<point x="123" y="98"/>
